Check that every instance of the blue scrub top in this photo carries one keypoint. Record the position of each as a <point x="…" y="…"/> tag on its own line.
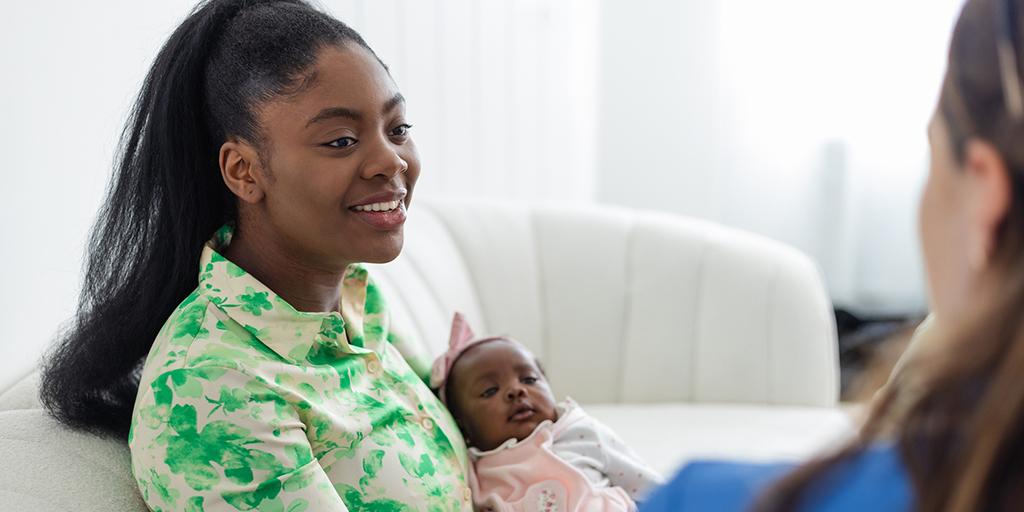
<point x="874" y="480"/>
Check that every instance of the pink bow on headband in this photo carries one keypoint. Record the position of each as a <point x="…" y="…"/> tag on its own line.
<point x="459" y="341"/>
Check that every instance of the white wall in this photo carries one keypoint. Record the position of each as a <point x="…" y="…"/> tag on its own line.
<point x="70" y="71"/>
<point x="501" y="95"/>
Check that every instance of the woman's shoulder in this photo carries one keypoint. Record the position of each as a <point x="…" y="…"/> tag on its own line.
<point x="197" y="337"/>
<point x="186" y="323"/>
<point x="187" y="319"/>
<point x="874" y="478"/>
<point x="714" y="485"/>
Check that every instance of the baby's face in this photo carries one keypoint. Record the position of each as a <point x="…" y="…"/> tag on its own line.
<point x="497" y="393"/>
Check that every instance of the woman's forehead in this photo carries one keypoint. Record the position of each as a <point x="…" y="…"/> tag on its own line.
<point x="347" y="78"/>
<point x="351" y="71"/>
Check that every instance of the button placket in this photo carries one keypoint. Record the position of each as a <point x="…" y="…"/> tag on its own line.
<point x="373" y="365"/>
<point x="427" y="424"/>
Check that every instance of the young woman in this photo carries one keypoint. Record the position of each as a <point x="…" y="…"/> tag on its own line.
<point x="267" y="155"/>
<point x="948" y="432"/>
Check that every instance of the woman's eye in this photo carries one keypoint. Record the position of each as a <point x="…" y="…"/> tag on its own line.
<point x="401" y="130"/>
<point x="489" y="392"/>
<point x="343" y="142"/>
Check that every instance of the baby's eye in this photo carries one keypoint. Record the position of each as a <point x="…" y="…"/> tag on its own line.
<point x="529" y="380"/>
<point x="489" y="392"/>
<point x="341" y="143"/>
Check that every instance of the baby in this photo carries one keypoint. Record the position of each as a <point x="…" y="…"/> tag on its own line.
<point x="529" y="453"/>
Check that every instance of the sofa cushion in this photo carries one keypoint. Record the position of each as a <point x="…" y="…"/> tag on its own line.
<point x="667" y="436"/>
<point x="23" y="394"/>
<point x="49" y="467"/>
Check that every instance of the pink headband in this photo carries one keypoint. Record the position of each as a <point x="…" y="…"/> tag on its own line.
<point x="460" y="340"/>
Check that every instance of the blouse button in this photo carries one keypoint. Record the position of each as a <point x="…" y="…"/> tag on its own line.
<point x="467" y="494"/>
<point x="427" y="423"/>
<point x="373" y="367"/>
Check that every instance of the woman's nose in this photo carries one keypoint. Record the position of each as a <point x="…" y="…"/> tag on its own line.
<point x="385" y="161"/>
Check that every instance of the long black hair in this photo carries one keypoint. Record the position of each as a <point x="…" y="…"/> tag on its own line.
<point x="167" y="197"/>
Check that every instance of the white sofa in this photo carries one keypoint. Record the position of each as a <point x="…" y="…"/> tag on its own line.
<point x="691" y="340"/>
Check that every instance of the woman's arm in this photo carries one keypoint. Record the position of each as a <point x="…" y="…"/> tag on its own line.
<point x="413" y="352"/>
<point x="216" y="439"/>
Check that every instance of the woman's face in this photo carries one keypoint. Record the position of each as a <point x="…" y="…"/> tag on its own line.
<point x="944" y="226"/>
<point x="338" y="164"/>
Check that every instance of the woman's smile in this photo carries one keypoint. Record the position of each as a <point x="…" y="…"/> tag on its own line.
<point x="384" y="211"/>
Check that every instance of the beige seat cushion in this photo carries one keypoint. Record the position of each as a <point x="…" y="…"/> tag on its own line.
<point x="48" y="467"/>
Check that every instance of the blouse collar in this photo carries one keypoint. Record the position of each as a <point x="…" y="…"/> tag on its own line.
<point x="298" y="336"/>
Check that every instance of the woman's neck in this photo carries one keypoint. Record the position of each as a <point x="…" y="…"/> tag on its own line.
<point x="305" y="286"/>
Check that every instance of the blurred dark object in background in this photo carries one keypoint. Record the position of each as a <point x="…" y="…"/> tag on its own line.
<point x="868" y="349"/>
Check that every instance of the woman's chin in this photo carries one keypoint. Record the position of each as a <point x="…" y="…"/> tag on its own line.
<point x="384" y="251"/>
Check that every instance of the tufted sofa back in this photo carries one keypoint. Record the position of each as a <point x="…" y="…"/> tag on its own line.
<point x="620" y="305"/>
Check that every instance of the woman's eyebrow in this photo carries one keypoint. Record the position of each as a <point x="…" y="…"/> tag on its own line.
<point x="334" y="112"/>
<point x="355" y="115"/>
<point x="394" y="102"/>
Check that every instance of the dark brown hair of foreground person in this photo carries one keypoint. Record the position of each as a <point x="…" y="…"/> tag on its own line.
<point x="957" y="414"/>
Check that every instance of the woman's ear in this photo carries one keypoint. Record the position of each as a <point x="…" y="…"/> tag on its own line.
<point x="240" y="166"/>
<point x="988" y="197"/>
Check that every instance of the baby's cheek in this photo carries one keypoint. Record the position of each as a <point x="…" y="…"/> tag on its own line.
<point x="484" y="422"/>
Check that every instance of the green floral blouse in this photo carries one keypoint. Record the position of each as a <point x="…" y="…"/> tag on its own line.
<point x="246" y="403"/>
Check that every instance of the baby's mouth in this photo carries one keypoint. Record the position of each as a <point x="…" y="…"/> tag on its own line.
<point x="522" y="413"/>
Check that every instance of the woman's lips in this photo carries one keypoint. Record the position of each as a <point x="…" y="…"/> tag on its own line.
<point x="384" y="220"/>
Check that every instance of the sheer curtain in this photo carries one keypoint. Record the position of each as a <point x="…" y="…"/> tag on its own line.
<point x="800" y="119"/>
<point x="501" y="93"/>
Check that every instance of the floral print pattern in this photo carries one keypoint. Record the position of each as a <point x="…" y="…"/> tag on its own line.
<point x="248" y="404"/>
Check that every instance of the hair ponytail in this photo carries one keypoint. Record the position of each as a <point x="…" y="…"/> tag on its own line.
<point x="167" y="197"/>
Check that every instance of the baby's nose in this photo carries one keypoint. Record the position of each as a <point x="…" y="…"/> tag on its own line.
<point x="516" y="391"/>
